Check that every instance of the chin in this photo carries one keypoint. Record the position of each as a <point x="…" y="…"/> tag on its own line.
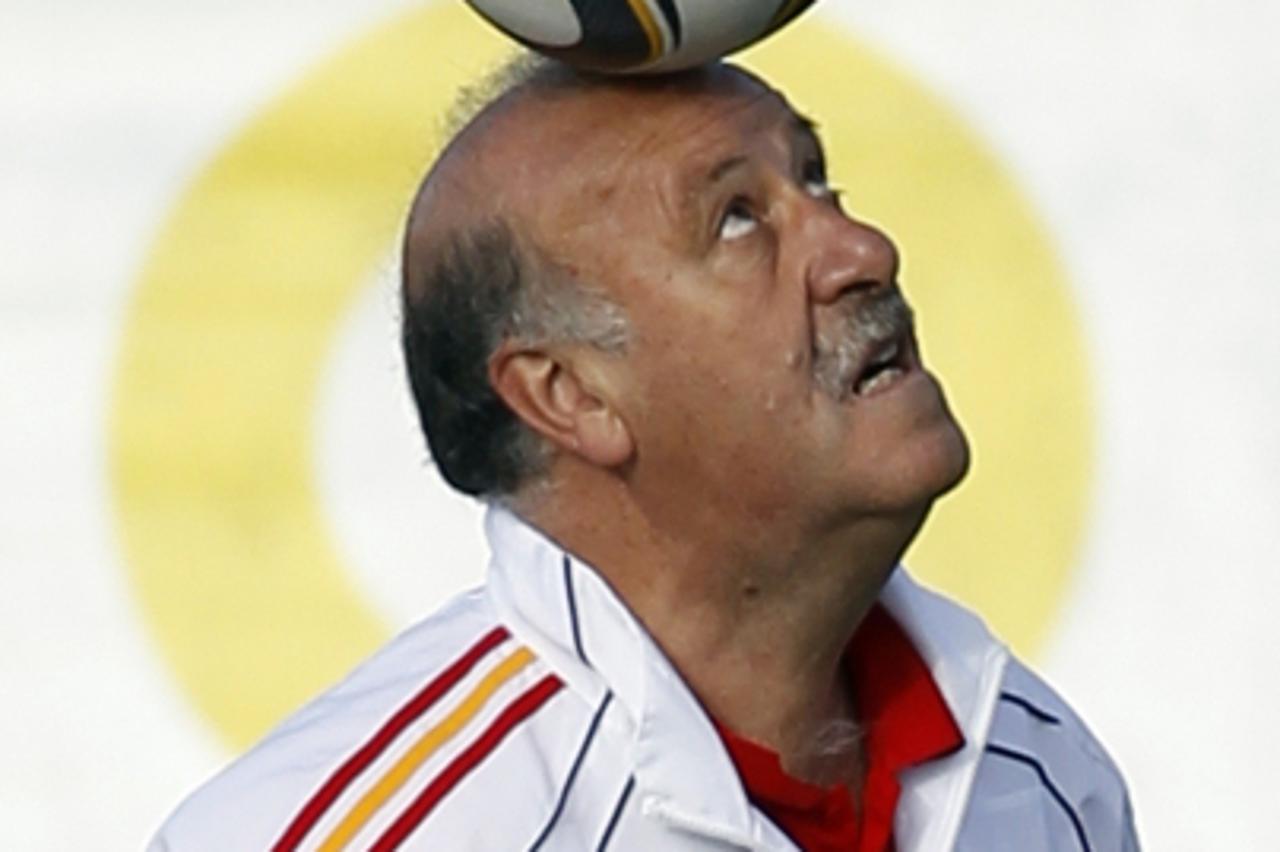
<point x="952" y="462"/>
<point x="908" y="481"/>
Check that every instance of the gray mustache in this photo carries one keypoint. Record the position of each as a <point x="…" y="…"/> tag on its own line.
<point x="843" y="343"/>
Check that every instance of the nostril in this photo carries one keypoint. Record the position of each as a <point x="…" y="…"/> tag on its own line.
<point x="846" y="281"/>
<point x="852" y="258"/>
<point x="865" y="284"/>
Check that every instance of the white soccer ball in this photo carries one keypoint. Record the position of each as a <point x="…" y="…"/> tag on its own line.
<point x="645" y="36"/>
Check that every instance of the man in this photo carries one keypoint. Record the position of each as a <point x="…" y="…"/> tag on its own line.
<point x="639" y="323"/>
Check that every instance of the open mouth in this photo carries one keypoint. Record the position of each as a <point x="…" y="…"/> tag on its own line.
<point x="885" y="364"/>
<point x="866" y="347"/>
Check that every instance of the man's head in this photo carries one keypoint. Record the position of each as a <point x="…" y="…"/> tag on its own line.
<point x="648" y="285"/>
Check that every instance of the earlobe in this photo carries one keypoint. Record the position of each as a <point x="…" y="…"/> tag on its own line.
<point x="550" y="397"/>
<point x="604" y="438"/>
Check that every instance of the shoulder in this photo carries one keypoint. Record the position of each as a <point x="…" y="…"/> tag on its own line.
<point x="452" y="719"/>
<point x="1039" y="752"/>
<point x="1031" y="716"/>
<point x="1040" y="774"/>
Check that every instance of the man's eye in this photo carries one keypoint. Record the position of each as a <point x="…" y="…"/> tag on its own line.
<point x="738" y="221"/>
<point x="817" y="188"/>
<point x="816" y="183"/>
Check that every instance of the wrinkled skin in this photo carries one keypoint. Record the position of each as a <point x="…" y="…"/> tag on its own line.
<point x="722" y="472"/>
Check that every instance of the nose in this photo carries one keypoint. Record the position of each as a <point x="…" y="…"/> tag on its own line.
<point x="847" y="255"/>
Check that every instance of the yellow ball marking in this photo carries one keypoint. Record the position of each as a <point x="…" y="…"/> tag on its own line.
<point x="652" y="34"/>
<point x="255" y="267"/>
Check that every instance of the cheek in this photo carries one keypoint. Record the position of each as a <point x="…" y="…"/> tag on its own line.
<point x="717" y="345"/>
<point x="714" y="404"/>
<point x="747" y="268"/>
<point x="749" y="364"/>
<point x="721" y="361"/>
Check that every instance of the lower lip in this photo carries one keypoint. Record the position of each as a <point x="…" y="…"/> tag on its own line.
<point x="887" y="382"/>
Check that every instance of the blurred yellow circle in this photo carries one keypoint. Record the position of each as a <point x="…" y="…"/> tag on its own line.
<point x="262" y="256"/>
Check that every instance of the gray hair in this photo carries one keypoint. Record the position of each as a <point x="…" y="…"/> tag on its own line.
<point x="551" y="307"/>
<point x="482" y="287"/>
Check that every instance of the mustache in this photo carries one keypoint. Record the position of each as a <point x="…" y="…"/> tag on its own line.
<point x="845" y="339"/>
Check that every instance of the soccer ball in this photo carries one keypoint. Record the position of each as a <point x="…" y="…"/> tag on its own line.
<point x="644" y="36"/>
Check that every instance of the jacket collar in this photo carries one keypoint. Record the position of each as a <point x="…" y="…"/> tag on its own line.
<point x="967" y="664"/>
<point x="565" y="611"/>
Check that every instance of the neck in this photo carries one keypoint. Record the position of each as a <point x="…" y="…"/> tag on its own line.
<point x="757" y="623"/>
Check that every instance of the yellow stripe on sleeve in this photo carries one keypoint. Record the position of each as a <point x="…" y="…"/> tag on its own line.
<point x="420" y="751"/>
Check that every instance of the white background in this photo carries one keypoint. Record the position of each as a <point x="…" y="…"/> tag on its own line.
<point x="1146" y="133"/>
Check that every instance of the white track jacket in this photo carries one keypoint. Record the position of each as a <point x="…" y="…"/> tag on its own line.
<point x="536" y="713"/>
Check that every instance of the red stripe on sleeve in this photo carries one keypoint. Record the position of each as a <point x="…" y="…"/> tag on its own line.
<point x="392" y="728"/>
<point x="515" y="713"/>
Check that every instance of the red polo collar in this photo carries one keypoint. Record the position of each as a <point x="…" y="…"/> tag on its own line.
<point x="905" y="722"/>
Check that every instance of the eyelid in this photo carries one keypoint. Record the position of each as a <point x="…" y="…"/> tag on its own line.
<point x="814" y="169"/>
<point x="738" y="206"/>
<point x="817" y="182"/>
<point x="814" y="179"/>
<point x="824" y="190"/>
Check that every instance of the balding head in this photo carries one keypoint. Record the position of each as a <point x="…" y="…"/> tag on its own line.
<point x="490" y="253"/>
<point x="696" y="205"/>
<point x="539" y="141"/>
<point x="474" y="276"/>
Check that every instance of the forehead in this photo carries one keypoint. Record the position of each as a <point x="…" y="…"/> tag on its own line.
<point x="646" y="131"/>
<point x="554" y="159"/>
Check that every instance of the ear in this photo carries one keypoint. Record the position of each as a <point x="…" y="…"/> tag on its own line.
<point x="550" y="396"/>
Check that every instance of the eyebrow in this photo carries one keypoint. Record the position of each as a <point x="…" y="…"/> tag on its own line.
<point x="804" y="124"/>
<point x="725" y="167"/>
<point x="801" y="125"/>
<point x="806" y="127"/>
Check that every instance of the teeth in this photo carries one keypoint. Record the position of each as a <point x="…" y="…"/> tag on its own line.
<point x="886" y="356"/>
<point x="881" y="379"/>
